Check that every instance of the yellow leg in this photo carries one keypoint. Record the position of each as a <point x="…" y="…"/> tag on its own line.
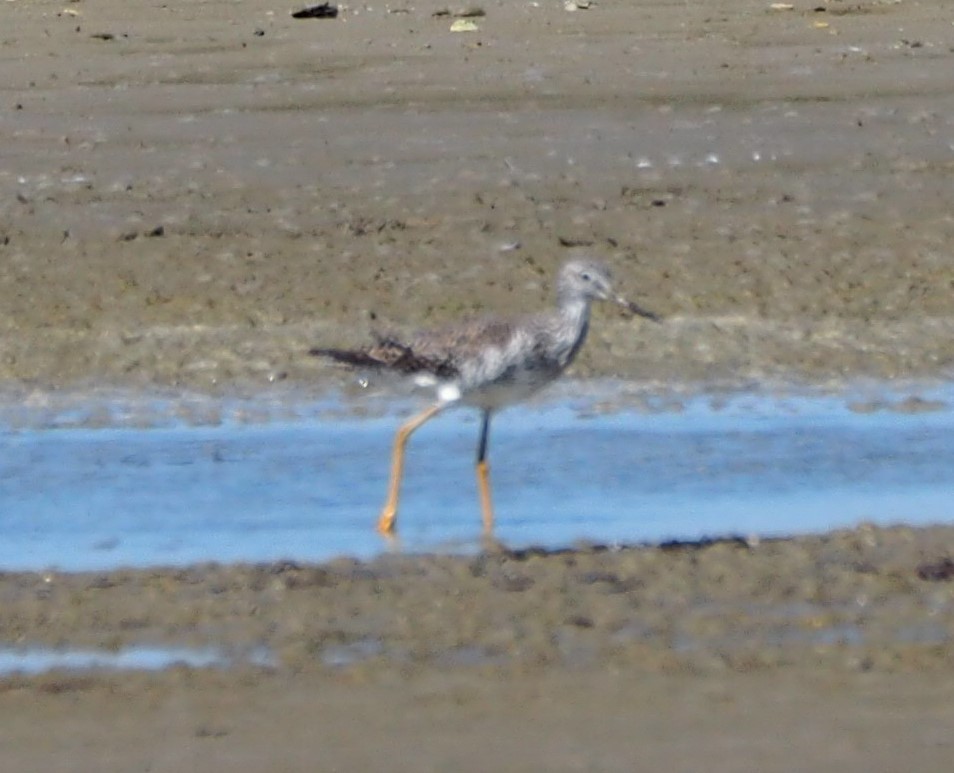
<point x="388" y="519"/>
<point x="486" y="504"/>
<point x="483" y="474"/>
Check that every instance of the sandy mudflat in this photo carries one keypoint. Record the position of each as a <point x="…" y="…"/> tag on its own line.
<point x="192" y="194"/>
<point x="199" y="198"/>
<point x="784" y="655"/>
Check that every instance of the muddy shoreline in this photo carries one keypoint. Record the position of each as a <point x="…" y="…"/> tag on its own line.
<point x="862" y="599"/>
<point x="243" y="185"/>
<point x="840" y="642"/>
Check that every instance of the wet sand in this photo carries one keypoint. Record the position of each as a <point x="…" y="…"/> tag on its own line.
<point x="781" y="655"/>
<point x="193" y="194"/>
<point x="863" y="599"/>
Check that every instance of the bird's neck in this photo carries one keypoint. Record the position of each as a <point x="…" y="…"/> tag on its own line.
<point x="575" y="315"/>
<point x="576" y="311"/>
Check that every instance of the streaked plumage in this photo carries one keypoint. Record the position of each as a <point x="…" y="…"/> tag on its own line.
<point x="489" y="362"/>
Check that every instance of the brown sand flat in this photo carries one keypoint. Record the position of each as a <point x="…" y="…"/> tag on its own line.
<point x="215" y="187"/>
<point x="192" y="194"/>
<point x="555" y="721"/>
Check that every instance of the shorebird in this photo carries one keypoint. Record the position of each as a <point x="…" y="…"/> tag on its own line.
<point x="488" y="363"/>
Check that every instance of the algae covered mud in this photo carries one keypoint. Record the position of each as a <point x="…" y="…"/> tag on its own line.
<point x="194" y="194"/>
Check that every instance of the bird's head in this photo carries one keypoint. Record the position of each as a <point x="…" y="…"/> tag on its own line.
<point x="592" y="280"/>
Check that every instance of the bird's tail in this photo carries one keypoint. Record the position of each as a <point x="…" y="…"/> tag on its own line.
<point x="389" y="355"/>
<point x="352" y="357"/>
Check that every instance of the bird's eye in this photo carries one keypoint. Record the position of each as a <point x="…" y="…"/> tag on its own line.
<point x="585" y="276"/>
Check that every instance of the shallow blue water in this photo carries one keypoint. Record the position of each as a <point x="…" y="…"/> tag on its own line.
<point x="75" y="498"/>
<point x="36" y="660"/>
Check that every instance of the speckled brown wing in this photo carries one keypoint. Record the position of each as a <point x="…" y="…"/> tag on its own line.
<point x="466" y="341"/>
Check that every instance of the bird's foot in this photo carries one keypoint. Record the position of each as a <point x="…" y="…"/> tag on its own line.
<point x="387" y="521"/>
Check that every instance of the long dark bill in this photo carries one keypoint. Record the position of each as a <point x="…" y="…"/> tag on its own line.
<point x="639" y="311"/>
